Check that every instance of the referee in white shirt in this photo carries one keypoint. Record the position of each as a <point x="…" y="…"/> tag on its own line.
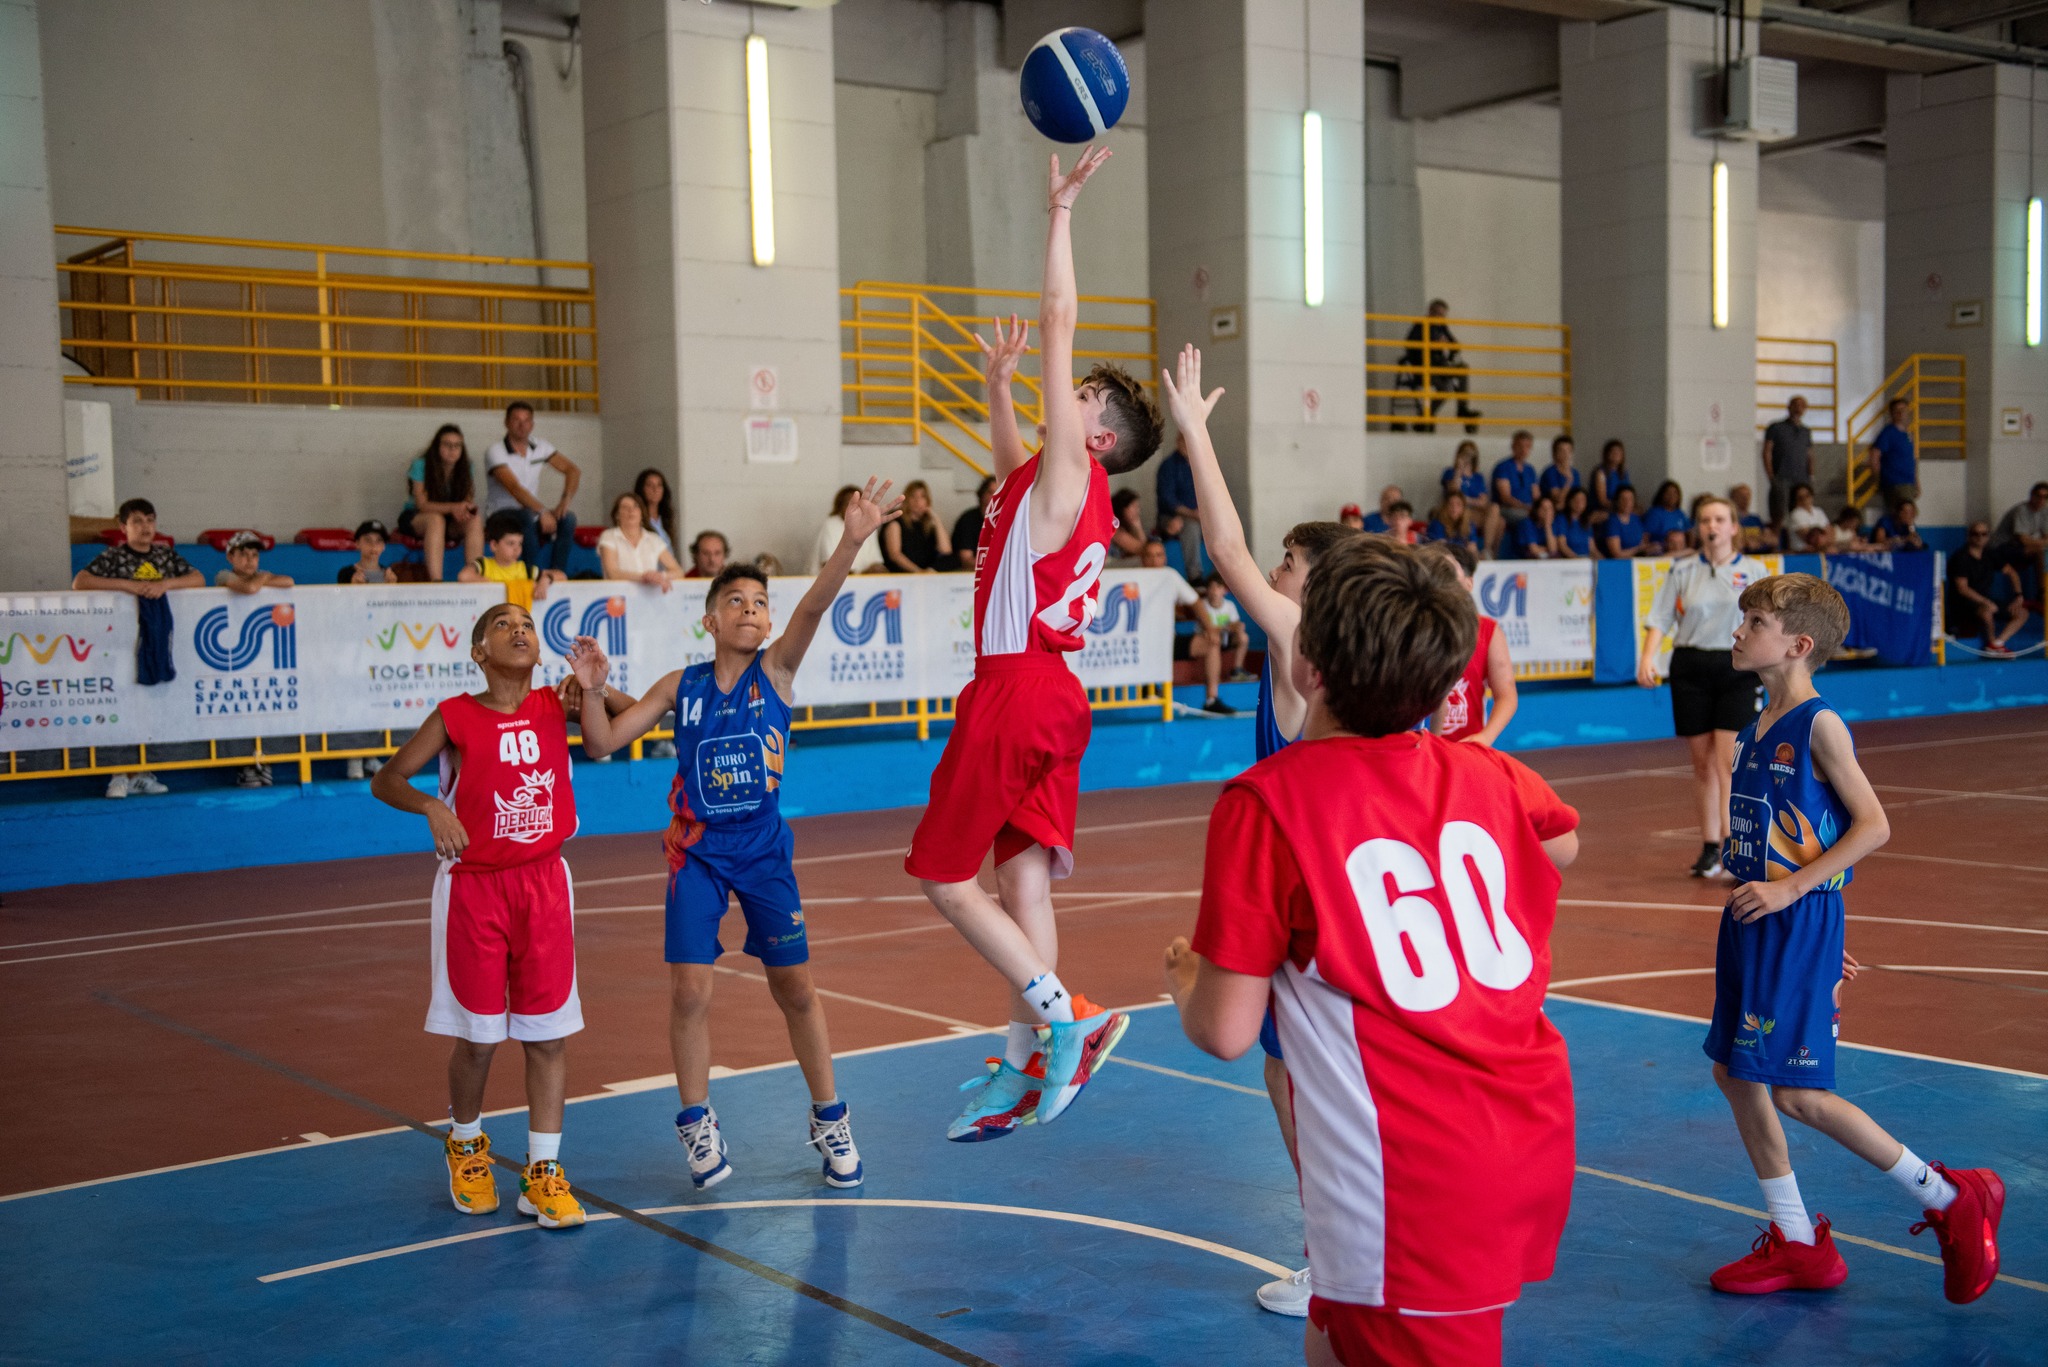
<point x="1711" y="701"/>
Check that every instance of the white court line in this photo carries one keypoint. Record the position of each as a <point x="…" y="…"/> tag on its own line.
<point x="1632" y="977"/>
<point x="1694" y="972"/>
<point x="1958" y="863"/>
<point x="1188" y="1077"/>
<point x="1851" y="916"/>
<point x="840" y="1203"/>
<point x="970" y="1026"/>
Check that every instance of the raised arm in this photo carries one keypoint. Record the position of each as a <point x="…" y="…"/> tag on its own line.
<point x="1063" y="470"/>
<point x="865" y="512"/>
<point x="999" y="367"/>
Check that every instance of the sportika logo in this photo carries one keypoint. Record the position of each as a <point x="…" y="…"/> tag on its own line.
<point x="209" y="639"/>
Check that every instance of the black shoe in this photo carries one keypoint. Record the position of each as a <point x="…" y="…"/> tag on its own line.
<point x="1709" y="862"/>
<point x="1218" y="707"/>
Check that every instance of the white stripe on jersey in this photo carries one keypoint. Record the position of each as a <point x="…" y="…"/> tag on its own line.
<point x="1343" y="1168"/>
<point x="1013" y="594"/>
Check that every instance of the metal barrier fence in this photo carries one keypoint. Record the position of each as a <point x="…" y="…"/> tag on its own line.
<point x="1502" y="374"/>
<point x="240" y="320"/>
<point x="1937" y="388"/>
<point x="1805" y="366"/>
<point x="911" y="369"/>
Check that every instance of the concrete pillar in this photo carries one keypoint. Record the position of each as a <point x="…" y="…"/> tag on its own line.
<point x="34" y="515"/>
<point x="684" y="316"/>
<point x="1393" y="223"/>
<point x="1229" y="82"/>
<point x="1960" y="165"/>
<point x="1648" y="366"/>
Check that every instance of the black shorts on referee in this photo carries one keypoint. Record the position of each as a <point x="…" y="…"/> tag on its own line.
<point x="1708" y="693"/>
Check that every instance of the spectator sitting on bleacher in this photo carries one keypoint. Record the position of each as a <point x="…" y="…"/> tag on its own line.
<point x="1807" y="528"/>
<point x="1562" y="477"/>
<point x="866" y="560"/>
<point x="1623" y="535"/>
<point x="440" y="497"/>
<point x="371" y="539"/>
<point x="1845" y="533"/>
<point x="244" y="574"/>
<point x="1127" y="542"/>
<point x="1610" y="477"/>
<point x="514" y="467"/>
<point x="505" y="534"/>
<point x="768" y="563"/>
<point x="1352" y="516"/>
<point x="1974" y="574"/>
<point x="1899" y="529"/>
<point x="1752" y="536"/>
<point x="1535" y="536"/>
<point x="967" y="526"/>
<point x="1401" y="523"/>
<point x="1219" y="627"/>
<point x="708" y="554"/>
<point x="141" y="567"/>
<point x="916" y="543"/>
<point x="1383" y="518"/>
<point x="1666" y="523"/>
<point x="1574" y="534"/>
<point x="2022" y="536"/>
<point x="1179" y="515"/>
<point x="652" y="487"/>
<point x="1453" y="521"/>
<point x="629" y="549"/>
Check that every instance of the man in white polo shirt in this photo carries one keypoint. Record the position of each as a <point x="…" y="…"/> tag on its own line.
<point x="513" y="468"/>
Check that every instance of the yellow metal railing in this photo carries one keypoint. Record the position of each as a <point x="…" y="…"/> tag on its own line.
<point x="305" y="751"/>
<point x="1937" y="387"/>
<point x="910" y="368"/>
<point x="1802" y="366"/>
<point x="1524" y="368"/>
<point x="240" y="320"/>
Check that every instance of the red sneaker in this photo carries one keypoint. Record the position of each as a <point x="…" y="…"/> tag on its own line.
<point x="1968" y="1232"/>
<point x="1775" y="1263"/>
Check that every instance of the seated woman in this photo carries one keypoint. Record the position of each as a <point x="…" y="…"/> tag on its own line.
<point x="1574" y="533"/>
<point x="1845" y="533"/>
<point x="1465" y="476"/>
<point x="656" y="508"/>
<point x="1623" y="535"/>
<point x="1666" y="523"/>
<point x="1807" y="528"/>
<point x="630" y="549"/>
<point x="866" y="560"/>
<point x="916" y="543"/>
<point x="1610" y="477"/>
<point x="1453" y="521"/>
<point x="1535" y="536"/>
<point x="1127" y="542"/>
<point x="441" y="500"/>
<point x="1899" y="529"/>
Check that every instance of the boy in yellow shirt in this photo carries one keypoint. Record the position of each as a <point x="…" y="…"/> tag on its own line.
<point x="505" y="538"/>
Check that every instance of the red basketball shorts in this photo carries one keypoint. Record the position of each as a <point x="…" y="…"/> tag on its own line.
<point x="1011" y="774"/>
<point x="1371" y="1336"/>
<point x="504" y="953"/>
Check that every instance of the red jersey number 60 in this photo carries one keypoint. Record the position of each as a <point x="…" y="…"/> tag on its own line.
<point x="1496" y="955"/>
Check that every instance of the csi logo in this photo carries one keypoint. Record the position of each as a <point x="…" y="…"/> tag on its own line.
<point x="604" y="620"/>
<point x="881" y="610"/>
<point x="1504" y="595"/>
<point x="209" y="639"/>
<point x="1121" y="607"/>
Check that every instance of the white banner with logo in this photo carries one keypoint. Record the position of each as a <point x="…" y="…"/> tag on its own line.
<point x="1545" y="607"/>
<point x="322" y="658"/>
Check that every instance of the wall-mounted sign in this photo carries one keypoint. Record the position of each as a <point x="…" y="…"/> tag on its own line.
<point x="1223" y="324"/>
<point x="1967" y="313"/>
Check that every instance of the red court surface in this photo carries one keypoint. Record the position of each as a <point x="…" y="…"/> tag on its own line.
<point x="123" y="1001"/>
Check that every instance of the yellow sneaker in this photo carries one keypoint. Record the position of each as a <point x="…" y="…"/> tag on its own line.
<point x="544" y="1192"/>
<point x="470" y="1184"/>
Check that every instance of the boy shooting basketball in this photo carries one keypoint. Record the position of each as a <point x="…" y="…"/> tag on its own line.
<point x="1393" y="895"/>
<point x="727" y="835"/>
<point x="1010" y="776"/>
<point x="504" y="941"/>
<point x="1801" y="814"/>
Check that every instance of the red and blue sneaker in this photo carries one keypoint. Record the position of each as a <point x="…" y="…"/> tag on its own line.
<point x="1073" y="1051"/>
<point x="999" y="1101"/>
<point x="1968" y="1232"/>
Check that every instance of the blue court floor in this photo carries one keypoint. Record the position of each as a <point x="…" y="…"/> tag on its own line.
<point x="1133" y="1231"/>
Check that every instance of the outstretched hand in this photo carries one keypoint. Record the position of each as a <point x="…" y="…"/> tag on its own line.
<point x="588" y="663"/>
<point x="868" y="509"/>
<point x="999" y="362"/>
<point x="1063" y="190"/>
<point x="1184" y="398"/>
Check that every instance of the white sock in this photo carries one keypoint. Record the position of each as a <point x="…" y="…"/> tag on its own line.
<point x="462" y="1131"/>
<point x="1928" y="1188"/>
<point x="542" y="1147"/>
<point x="1021" y="1044"/>
<point x="1047" y="995"/>
<point x="1788" y="1212"/>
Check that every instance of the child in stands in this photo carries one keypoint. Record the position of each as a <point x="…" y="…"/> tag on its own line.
<point x="371" y="539"/>
<point x="505" y="536"/>
<point x="504" y="938"/>
<point x="1801" y="813"/>
<point x="245" y="572"/>
<point x="1219" y="627"/>
<point x="727" y="836"/>
<point x="1432" y="1098"/>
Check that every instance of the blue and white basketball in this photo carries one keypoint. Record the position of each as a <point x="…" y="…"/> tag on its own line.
<point x="1074" y="85"/>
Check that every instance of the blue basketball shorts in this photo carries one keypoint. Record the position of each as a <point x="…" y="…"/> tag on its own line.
<point x="756" y="867"/>
<point x="1269" y="1034"/>
<point x="1777" y="994"/>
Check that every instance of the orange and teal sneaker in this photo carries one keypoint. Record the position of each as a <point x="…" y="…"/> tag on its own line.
<point x="999" y="1102"/>
<point x="544" y="1193"/>
<point x="470" y="1184"/>
<point x="1074" y="1051"/>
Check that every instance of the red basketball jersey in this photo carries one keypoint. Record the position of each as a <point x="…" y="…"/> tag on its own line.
<point x="1396" y="891"/>
<point x="1467" y="716"/>
<point x="1029" y="601"/>
<point x="507" y="778"/>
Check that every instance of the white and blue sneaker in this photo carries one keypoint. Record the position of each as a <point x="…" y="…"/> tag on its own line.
<point x="1073" y="1051"/>
<point x="832" y="1135"/>
<point x="698" y="1128"/>
<point x="998" y="1101"/>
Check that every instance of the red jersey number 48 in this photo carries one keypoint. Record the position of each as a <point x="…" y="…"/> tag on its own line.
<point x="518" y="747"/>
<point x="1496" y="954"/>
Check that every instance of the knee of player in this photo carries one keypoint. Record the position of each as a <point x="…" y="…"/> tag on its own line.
<point x="792" y="989"/>
<point x="1803" y="1104"/>
<point x="475" y="1051"/>
<point x="546" y="1048"/>
<point x="690" y="999"/>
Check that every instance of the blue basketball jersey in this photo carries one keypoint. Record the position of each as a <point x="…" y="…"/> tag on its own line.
<point x="1782" y="815"/>
<point x="729" y="749"/>
<point x="1266" y="737"/>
